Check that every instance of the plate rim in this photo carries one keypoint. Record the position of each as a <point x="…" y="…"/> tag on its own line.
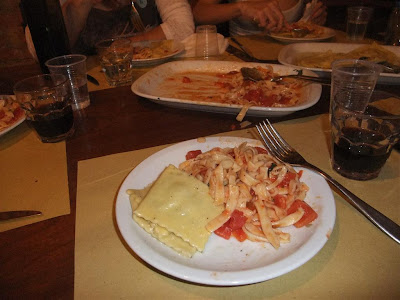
<point x="179" y="45"/>
<point x="299" y="257"/>
<point x="328" y="33"/>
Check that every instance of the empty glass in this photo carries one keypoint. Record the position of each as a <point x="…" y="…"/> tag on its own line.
<point x="206" y="41"/>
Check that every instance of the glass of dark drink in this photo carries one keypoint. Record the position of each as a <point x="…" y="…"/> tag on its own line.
<point x="46" y="100"/>
<point x="364" y="129"/>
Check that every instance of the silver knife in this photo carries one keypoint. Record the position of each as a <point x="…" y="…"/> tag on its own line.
<point x="9" y="215"/>
<point x="244" y="49"/>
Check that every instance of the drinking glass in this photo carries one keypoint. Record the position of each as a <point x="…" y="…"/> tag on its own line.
<point x="363" y="132"/>
<point x="115" y="57"/>
<point x="46" y="100"/>
<point x="74" y="67"/>
<point x="206" y="41"/>
<point x="357" y="22"/>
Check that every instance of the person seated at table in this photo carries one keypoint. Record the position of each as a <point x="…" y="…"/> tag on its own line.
<point x="89" y="21"/>
<point x="252" y="17"/>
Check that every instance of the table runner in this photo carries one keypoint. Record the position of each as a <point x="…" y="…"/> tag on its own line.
<point x="358" y="259"/>
<point x="33" y="176"/>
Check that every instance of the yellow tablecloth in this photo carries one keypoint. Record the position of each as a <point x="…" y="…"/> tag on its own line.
<point x="358" y="261"/>
<point x="33" y="177"/>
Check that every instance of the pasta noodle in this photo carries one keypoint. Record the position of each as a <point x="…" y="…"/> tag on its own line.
<point x="323" y="60"/>
<point x="250" y="182"/>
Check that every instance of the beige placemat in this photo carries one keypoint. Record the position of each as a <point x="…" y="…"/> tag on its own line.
<point x="357" y="261"/>
<point x="33" y="177"/>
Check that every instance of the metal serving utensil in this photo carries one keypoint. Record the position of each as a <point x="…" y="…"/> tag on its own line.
<point x="254" y="75"/>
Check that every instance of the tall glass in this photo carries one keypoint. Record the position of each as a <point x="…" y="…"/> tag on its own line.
<point x="206" y="41"/>
<point x="357" y="22"/>
<point x="363" y="132"/>
<point x="74" y="67"/>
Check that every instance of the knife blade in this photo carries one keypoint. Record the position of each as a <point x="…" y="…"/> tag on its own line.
<point x="9" y="215"/>
<point x="92" y="79"/>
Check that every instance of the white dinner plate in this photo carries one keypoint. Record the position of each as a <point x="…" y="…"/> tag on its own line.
<point x="15" y="124"/>
<point x="177" y="48"/>
<point x="146" y="86"/>
<point x="327" y="34"/>
<point x="290" y="53"/>
<point x="224" y="262"/>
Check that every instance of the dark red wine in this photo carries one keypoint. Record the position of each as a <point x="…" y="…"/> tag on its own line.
<point x="53" y="120"/>
<point x="356" y="154"/>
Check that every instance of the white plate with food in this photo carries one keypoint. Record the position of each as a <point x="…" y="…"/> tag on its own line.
<point x="308" y="33"/>
<point x="217" y="86"/>
<point x="149" y="53"/>
<point x="11" y="114"/>
<point x="317" y="57"/>
<point x="224" y="262"/>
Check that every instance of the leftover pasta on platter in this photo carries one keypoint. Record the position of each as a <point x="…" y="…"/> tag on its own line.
<point x="232" y="88"/>
<point x="372" y="52"/>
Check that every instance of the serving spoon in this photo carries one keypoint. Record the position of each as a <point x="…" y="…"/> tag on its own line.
<point x="255" y="75"/>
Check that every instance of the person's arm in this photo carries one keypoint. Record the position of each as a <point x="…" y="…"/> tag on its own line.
<point x="177" y="22"/>
<point x="265" y="13"/>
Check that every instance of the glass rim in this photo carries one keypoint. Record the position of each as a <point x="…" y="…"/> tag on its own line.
<point x="63" y="80"/>
<point x="81" y="58"/>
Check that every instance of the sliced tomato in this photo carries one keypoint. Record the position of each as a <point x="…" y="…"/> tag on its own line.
<point x="239" y="234"/>
<point x="224" y="231"/>
<point x="300" y="173"/>
<point x="192" y="154"/>
<point x="309" y="214"/>
<point x="237" y="220"/>
<point x="286" y="180"/>
<point x="261" y="150"/>
<point x="280" y="201"/>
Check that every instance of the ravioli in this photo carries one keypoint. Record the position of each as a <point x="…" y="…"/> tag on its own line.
<point x="176" y="210"/>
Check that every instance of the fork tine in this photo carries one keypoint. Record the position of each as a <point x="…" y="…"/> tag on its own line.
<point x="267" y="141"/>
<point x="284" y="146"/>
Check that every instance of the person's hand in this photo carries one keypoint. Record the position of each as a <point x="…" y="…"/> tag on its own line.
<point x="266" y="14"/>
<point x="318" y="15"/>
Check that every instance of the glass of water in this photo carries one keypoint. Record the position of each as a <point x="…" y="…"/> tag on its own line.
<point x="74" y="67"/>
<point x="357" y="22"/>
<point x="115" y="57"/>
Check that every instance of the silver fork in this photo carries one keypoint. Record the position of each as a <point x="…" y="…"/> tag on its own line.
<point x="285" y="153"/>
<point x="136" y="20"/>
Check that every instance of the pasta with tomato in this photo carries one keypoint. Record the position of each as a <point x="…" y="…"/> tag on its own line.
<point x="260" y="194"/>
